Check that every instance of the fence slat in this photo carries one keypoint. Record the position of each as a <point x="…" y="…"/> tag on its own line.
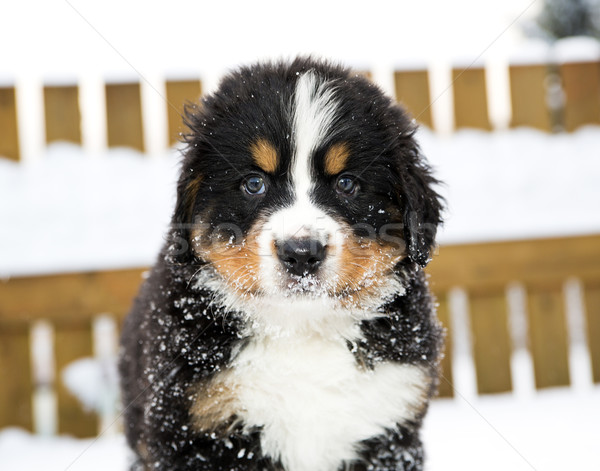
<point x="470" y="99"/>
<point x="581" y="83"/>
<point x="179" y="93"/>
<point x="491" y="343"/>
<point x="9" y="135"/>
<point x="73" y="341"/>
<point x="124" y="116"/>
<point x="592" y="310"/>
<point x="528" y="97"/>
<point x="446" y="382"/>
<point x="548" y="336"/>
<point x="61" y="111"/>
<point x="16" y="386"/>
<point x="412" y="90"/>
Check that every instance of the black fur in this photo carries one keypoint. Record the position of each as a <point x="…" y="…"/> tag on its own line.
<point x="177" y="333"/>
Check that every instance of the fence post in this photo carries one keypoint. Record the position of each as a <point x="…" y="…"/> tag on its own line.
<point x="9" y="135"/>
<point x="491" y="343"/>
<point x="548" y="334"/>
<point x="412" y="90"/>
<point x="581" y="84"/>
<point x="180" y="92"/>
<point x="591" y="290"/>
<point x="445" y="388"/>
<point x="62" y="115"/>
<point x="16" y="386"/>
<point x="470" y="98"/>
<point x="528" y="96"/>
<point x="124" y="115"/>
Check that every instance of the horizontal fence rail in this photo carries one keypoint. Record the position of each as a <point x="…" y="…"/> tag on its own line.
<point x="147" y="116"/>
<point x="535" y="299"/>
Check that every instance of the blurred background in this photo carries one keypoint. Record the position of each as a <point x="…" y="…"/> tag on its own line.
<point x="507" y="94"/>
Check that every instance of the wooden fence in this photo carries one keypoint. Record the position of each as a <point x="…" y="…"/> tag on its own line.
<point x="548" y="97"/>
<point x="485" y="273"/>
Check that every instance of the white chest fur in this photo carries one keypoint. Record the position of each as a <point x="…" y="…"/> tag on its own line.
<point x="314" y="404"/>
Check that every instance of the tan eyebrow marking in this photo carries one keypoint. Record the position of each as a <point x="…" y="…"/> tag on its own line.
<point x="264" y="155"/>
<point x="336" y="158"/>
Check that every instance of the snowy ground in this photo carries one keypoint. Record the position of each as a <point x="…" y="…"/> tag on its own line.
<point x="554" y="430"/>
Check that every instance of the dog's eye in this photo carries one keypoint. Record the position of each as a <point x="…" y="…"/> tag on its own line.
<point x="254" y="185"/>
<point x="346" y="185"/>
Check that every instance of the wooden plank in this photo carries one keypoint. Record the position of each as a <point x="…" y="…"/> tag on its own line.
<point x="124" y="116"/>
<point x="61" y="111"/>
<point x="592" y="311"/>
<point x="470" y="99"/>
<point x="548" y="335"/>
<point x="491" y="341"/>
<point x="528" y="97"/>
<point x="16" y="387"/>
<point x="178" y="94"/>
<point x="581" y="84"/>
<point x="72" y="342"/>
<point x="490" y="265"/>
<point x="446" y="387"/>
<point x="61" y="297"/>
<point x="9" y="135"/>
<point x="412" y="90"/>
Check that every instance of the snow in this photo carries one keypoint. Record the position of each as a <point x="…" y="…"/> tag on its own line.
<point x="21" y="451"/>
<point x="532" y="52"/>
<point x="554" y="430"/>
<point x="516" y="184"/>
<point x="577" y="49"/>
<point x="73" y="212"/>
<point x="92" y="381"/>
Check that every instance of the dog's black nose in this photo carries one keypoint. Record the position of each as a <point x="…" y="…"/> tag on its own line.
<point x="301" y="256"/>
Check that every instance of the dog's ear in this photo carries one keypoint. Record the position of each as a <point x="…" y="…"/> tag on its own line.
<point x="183" y="215"/>
<point x="189" y="183"/>
<point x="421" y="207"/>
<point x="187" y="191"/>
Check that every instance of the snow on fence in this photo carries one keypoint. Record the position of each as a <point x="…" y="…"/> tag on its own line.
<point x="145" y="114"/>
<point x="521" y="316"/>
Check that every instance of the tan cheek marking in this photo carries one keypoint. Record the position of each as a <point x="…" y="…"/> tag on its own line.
<point x="264" y="155"/>
<point x="215" y="406"/>
<point x="364" y="266"/>
<point x="237" y="261"/>
<point x="336" y="158"/>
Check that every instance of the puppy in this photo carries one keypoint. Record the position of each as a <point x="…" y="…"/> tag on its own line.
<point x="287" y="324"/>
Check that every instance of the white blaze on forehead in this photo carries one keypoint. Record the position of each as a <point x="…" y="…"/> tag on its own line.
<point x="314" y="112"/>
<point x="313" y="115"/>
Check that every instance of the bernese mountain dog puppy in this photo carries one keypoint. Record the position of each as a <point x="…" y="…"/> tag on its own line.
<point x="288" y="324"/>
